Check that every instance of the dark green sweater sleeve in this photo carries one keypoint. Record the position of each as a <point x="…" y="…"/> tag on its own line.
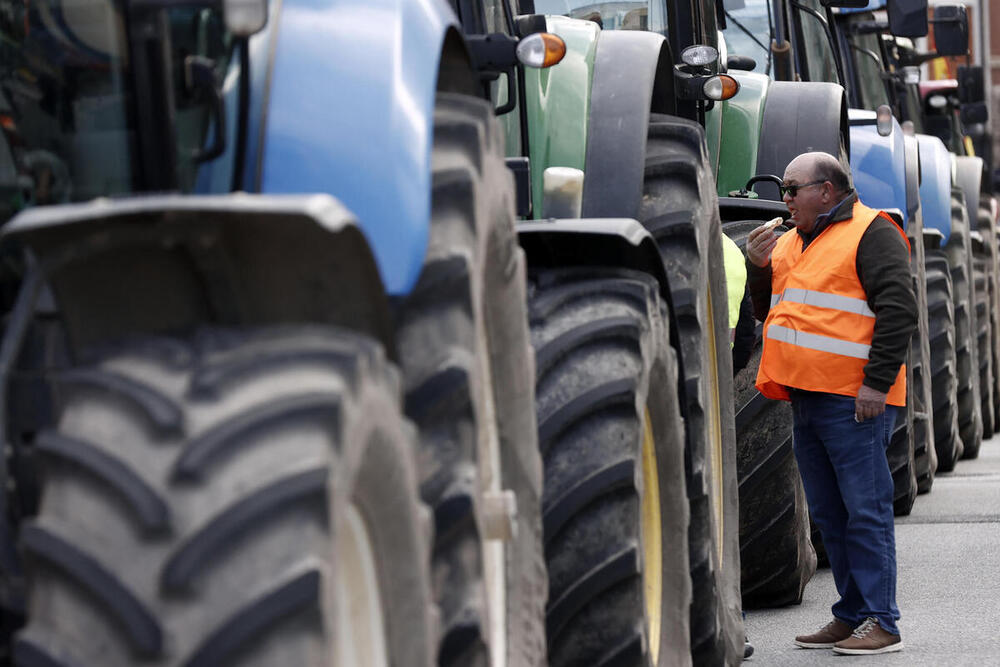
<point x="883" y="264"/>
<point x="759" y="286"/>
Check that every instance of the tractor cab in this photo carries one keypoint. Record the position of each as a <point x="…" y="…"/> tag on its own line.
<point x="99" y="102"/>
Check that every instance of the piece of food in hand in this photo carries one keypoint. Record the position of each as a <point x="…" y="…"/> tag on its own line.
<point x="773" y="223"/>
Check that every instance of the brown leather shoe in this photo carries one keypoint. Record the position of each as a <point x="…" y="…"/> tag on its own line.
<point x="828" y="635"/>
<point x="869" y="638"/>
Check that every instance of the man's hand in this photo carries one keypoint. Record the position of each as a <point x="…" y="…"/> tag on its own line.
<point x="760" y="243"/>
<point x="869" y="403"/>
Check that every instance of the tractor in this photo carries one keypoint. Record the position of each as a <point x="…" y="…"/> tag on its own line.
<point x="267" y="372"/>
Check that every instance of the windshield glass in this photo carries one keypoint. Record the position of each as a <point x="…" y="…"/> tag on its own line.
<point x="67" y="108"/>
<point x="646" y="15"/>
<point x="748" y="31"/>
<point x="867" y="57"/>
<point x="67" y="134"/>
<point x="820" y="62"/>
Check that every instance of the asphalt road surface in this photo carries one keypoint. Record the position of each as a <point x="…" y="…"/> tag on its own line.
<point x="948" y="591"/>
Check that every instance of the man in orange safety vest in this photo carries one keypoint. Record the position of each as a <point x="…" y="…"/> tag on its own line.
<point x="838" y="308"/>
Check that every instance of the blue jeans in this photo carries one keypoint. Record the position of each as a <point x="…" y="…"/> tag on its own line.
<point x="849" y="489"/>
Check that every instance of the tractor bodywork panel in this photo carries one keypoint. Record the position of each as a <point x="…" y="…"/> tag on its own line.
<point x="557" y="101"/>
<point x="741" y="120"/>
<point x="935" y="185"/>
<point x="878" y="165"/>
<point x="357" y="125"/>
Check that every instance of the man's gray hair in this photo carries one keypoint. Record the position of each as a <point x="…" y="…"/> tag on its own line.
<point x="831" y="170"/>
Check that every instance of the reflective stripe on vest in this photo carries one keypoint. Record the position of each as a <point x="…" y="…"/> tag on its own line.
<point x="810" y="297"/>
<point x="817" y="342"/>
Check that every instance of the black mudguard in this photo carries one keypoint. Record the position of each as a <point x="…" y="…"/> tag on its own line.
<point x="912" y="156"/>
<point x="160" y="264"/>
<point x="617" y="242"/>
<point x="968" y="177"/>
<point x="799" y="117"/>
<point x="732" y="209"/>
<point x="633" y="76"/>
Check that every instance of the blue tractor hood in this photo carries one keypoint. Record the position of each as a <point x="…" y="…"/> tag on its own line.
<point x="878" y="163"/>
<point x="935" y="184"/>
<point x="350" y="112"/>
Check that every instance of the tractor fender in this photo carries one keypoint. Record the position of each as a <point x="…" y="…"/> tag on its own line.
<point x="741" y="120"/>
<point x="732" y="209"/>
<point x="617" y="242"/>
<point x="912" y="153"/>
<point x="633" y="76"/>
<point x="878" y="164"/>
<point x="969" y="177"/>
<point x="350" y="112"/>
<point x="800" y="116"/>
<point x="935" y="185"/>
<point x="162" y="264"/>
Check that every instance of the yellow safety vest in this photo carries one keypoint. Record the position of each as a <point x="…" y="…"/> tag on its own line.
<point x="736" y="280"/>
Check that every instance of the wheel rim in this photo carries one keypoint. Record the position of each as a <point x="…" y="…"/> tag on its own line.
<point x="361" y="638"/>
<point x="715" y="431"/>
<point x="652" y="570"/>
<point x="494" y="561"/>
<point x="495" y="577"/>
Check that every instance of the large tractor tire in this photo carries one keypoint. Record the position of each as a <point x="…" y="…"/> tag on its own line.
<point x="817" y="541"/>
<point x="987" y="228"/>
<point x="239" y="498"/>
<point x="959" y="252"/>
<point x="680" y="209"/>
<point x="776" y="554"/>
<point x="982" y="279"/>
<point x="925" y="461"/>
<point x="900" y="454"/>
<point x="465" y="350"/>
<point x="612" y="442"/>
<point x="944" y="384"/>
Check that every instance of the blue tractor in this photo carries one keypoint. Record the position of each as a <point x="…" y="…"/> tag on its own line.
<point x="278" y="409"/>
<point x="962" y="371"/>
<point x="840" y="42"/>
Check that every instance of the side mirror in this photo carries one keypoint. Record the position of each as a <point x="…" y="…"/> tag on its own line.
<point x="974" y="113"/>
<point x="883" y="120"/>
<point x="907" y="18"/>
<point x="951" y="30"/>
<point x="970" y="84"/>
<point x="741" y="62"/>
<point x="244" y="17"/>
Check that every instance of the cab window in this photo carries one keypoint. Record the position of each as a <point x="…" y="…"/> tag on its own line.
<point x="820" y="62"/>
<point x="67" y="104"/>
<point x="623" y="15"/>
<point x="748" y="31"/>
<point x="867" y="57"/>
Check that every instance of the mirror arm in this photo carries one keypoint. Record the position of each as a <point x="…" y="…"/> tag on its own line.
<point x="199" y="76"/>
<point x="868" y="27"/>
<point x="917" y="58"/>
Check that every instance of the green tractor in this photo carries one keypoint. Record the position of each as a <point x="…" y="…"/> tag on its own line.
<point x="753" y="134"/>
<point x="628" y="314"/>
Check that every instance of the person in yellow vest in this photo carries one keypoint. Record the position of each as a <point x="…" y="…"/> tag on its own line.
<point x="741" y="322"/>
<point x="838" y="308"/>
<point x="741" y="327"/>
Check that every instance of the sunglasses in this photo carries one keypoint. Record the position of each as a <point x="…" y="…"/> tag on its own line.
<point x="793" y="190"/>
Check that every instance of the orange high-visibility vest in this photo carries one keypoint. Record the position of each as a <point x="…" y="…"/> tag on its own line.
<point x="819" y="330"/>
